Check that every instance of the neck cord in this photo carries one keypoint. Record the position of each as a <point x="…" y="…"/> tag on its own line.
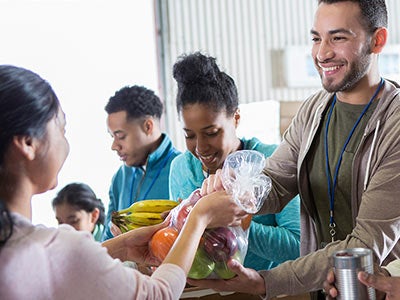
<point x="163" y="164"/>
<point x="332" y="185"/>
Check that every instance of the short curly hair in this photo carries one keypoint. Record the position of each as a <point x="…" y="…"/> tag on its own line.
<point x="137" y="101"/>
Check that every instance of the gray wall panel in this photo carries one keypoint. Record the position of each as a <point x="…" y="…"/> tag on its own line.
<point x="248" y="38"/>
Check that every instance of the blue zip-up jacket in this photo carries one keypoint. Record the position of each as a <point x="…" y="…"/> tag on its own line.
<point x="273" y="238"/>
<point x="131" y="184"/>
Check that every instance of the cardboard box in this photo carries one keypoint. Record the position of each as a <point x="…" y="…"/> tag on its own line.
<point x="194" y="293"/>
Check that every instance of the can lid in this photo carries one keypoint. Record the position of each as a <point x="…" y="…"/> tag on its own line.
<point x="354" y="258"/>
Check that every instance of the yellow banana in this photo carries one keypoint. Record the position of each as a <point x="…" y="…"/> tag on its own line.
<point x="142" y="213"/>
<point x="128" y="226"/>
<point x="144" y="218"/>
<point x="155" y="206"/>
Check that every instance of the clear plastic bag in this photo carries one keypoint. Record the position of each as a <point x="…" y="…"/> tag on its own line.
<point x="243" y="178"/>
<point x="216" y="246"/>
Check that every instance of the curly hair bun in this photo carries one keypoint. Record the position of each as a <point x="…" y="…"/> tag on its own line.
<point x="196" y="68"/>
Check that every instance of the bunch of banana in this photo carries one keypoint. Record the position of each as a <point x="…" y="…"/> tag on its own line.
<point x="142" y="213"/>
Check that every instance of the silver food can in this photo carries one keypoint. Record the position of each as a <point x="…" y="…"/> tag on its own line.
<point x="347" y="263"/>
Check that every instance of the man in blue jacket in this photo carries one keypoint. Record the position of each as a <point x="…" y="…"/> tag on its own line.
<point x="134" y="124"/>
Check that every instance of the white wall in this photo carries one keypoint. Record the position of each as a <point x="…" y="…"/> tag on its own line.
<point x="87" y="50"/>
<point x="260" y="120"/>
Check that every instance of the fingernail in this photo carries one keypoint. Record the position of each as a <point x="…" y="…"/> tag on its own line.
<point x="233" y="262"/>
<point x="364" y="275"/>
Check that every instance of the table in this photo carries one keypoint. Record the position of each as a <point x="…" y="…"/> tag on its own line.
<point x="194" y="293"/>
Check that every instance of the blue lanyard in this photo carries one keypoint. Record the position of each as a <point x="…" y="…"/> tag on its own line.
<point x="163" y="164"/>
<point x="332" y="186"/>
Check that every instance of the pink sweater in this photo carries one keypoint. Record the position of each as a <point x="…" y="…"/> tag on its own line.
<point x="48" y="263"/>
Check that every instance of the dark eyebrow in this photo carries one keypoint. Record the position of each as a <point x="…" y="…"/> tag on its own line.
<point x="204" y="128"/>
<point x="334" y="31"/>
<point x="341" y="30"/>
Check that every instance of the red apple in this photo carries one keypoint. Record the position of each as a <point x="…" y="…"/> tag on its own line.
<point x="181" y="212"/>
<point x="194" y="196"/>
<point x="220" y="243"/>
<point x="180" y="215"/>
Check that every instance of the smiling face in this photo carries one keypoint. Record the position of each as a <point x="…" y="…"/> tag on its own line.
<point x="131" y="140"/>
<point x="341" y="46"/>
<point x="210" y="136"/>
<point x="77" y="218"/>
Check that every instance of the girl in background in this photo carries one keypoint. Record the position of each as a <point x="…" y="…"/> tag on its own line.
<point x="77" y="205"/>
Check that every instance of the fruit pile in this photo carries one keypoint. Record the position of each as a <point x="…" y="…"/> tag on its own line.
<point x="216" y="247"/>
<point x="142" y="213"/>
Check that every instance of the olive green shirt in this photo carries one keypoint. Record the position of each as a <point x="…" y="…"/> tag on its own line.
<point x="343" y="118"/>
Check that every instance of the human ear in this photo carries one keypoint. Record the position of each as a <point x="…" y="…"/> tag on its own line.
<point x="236" y="117"/>
<point x="379" y="40"/>
<point x="95" y="215"/>
<point x="25" y="145"/>
<point x="148" y="126"/>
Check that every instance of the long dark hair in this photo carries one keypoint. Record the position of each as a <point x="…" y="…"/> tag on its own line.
<point x="27" y="104"/>
<point x="81" y="196"/>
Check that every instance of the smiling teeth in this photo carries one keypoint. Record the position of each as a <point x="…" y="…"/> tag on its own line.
<point x="330" y="68"/>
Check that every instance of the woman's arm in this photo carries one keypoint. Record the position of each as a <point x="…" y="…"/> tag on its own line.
<point x="214" y="210"/>
<point x="133" y="245"/>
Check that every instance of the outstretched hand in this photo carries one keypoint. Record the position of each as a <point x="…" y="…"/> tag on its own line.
<point x="134" y="245"/>
<point x="247" y="281"/>
<point x="220" y="210"/>
<point x="212" y="183"/>
<point x="115" y="231"/>
<point x="137" y="243"/>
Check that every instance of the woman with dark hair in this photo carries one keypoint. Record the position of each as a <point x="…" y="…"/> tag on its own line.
<point x="48" y="263"/>
<point x="207" y="103"/>
<point x="77" y="205"/>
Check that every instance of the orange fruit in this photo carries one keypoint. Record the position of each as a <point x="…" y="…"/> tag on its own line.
<point x="246" y="222"/>
<point x="162" y="241"/>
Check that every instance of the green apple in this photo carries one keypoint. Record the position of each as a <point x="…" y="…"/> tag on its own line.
<point x="222" y="270"/>
<point x="202" y="265"/>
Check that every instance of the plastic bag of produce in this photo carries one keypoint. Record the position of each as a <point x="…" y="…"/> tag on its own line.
<point x="242" y="177"/>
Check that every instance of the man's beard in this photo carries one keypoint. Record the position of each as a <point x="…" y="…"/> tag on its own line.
<point x="358" y="69"/>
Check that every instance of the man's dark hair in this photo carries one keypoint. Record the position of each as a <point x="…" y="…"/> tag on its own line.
<point x="373" y="12"/>
<point x="137" y="101"/>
